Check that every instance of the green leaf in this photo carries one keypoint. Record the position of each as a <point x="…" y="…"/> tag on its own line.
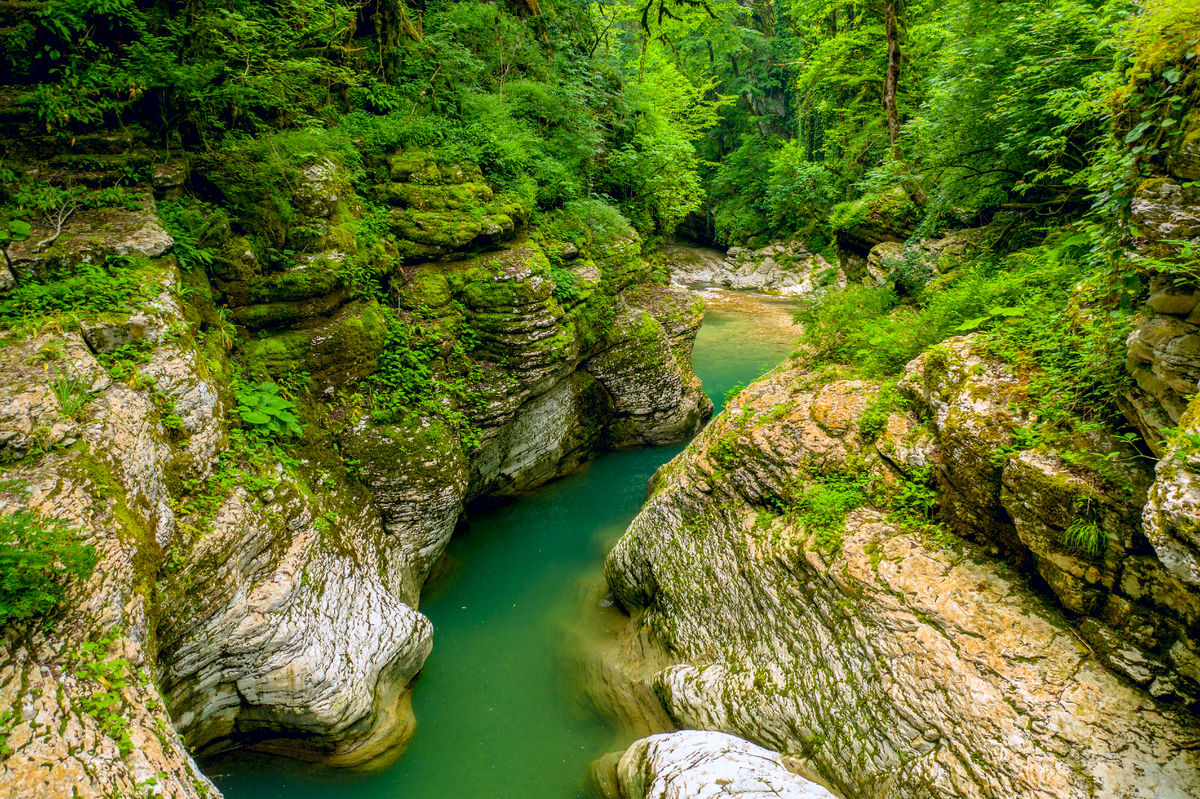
<point x="1006" y="311"/>
<point x="1172" y="75"/>
<point x="1136" y="133"/>
<point x="256" y="417"/>
<point x="972" y="324"/>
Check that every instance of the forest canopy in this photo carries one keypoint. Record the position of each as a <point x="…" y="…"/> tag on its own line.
<point x="739" y="121"/>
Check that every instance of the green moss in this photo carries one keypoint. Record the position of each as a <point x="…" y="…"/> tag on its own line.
<point x="276" y="314"/>
<point x="315" y="278"/>
<point x="451" y="197"/>
<point x="342" y="237"/>
<point x="429" y="289"/>
<point x="420" y="166"/>
<point x="346" y="347"/>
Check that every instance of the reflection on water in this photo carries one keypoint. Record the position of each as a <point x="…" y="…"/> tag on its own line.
<point x="496" y="714"/>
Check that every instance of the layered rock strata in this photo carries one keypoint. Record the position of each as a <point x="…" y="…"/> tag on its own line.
<point x="250" y="596"/>
<point x="887" y="654"/>
<point x="786" y="268"/>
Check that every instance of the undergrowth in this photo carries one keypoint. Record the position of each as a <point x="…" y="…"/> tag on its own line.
<point x="39" y="558"/>
<point x="1057" y="314"/>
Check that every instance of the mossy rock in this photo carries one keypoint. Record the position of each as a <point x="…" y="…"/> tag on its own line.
<point x="314" y="278"/>
<point x="453" y="197"/>
<point x="429" y="289"/>
<point x="343" y="350"/>
<point x="419" y="166"/>
<point x="621" y="264"/>
<point x="419" y="450"/>
<point x="504" y="279"/>
<point x="288" y="314"/>
<point x="437" y="232"/>
<point x="863" y="223"/>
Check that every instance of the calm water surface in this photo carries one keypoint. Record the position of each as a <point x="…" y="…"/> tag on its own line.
<point x="496" y="716"/>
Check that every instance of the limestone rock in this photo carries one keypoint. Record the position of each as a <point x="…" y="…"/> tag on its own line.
<point x="646" y="373"/>
<point x="890" y="665"/>
<point x="779" y="268"/>
<point x="90" y="235"/>
<point x="1184" y="163"/>
<point x="1164" y="358"/>
<point x="440" y="208"/>
<point x="1172" y="513"/>
<point x="694" y="764"/>
<point x="418" y="479"/>
<point x="296" y="644"/>
<point x="104" y="472"/>
<point x="318" y="195"/>
<point x="1164" y="209"/>
<point x="934" y="256"/>
<point x="968" y="401"/>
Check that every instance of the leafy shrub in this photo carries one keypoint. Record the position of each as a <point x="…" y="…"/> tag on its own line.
<point x="114" y="284"/>
<point x="798" y="190"/>
<point x="105" y="703"/>
<point x="265" y="412"/>
<point x="821" y="506"/>
<point x="39" y="556"/>
<point x="739" y="191"/>
<point x="565" y="288"/>
<point x="586" y="223"/>
<point x="873" y="421"/>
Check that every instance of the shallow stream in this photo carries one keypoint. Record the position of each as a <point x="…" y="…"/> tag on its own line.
<point x="496" y="714"/>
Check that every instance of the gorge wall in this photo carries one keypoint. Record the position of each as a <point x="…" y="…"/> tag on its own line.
<point x="902" y="589"/>
<point x="263" y="591"/>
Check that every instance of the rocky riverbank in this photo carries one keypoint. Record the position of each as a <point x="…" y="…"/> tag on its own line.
<point x="887" y="657"/>
<point x="262" y="591"/>
<point x="786" y="268"/>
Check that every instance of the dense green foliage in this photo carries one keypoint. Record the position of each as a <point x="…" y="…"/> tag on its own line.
<point x="265" y="412"/>
<point x="768" y="118"/>
<point x="39" y="556"/>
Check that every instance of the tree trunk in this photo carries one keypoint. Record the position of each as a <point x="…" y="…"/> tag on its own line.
<point x="893" y="76"/>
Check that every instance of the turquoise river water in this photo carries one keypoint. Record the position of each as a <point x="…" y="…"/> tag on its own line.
<point x="496" y="714"/>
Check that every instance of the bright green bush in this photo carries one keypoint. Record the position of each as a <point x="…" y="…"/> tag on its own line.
<point x="265" y="412"/>
<point x="586" y="223"/>
<point x="39" y="557"/>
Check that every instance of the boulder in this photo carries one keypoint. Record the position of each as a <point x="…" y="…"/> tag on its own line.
<point x="694" y="764"/>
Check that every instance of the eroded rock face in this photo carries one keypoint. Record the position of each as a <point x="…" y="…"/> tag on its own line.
<point x="891" y="665"/>
<point x="694" y="764"/>
<point x="651" y="394"/>
<point x="1164" y="349"/>
<point x="779" y="268"/>
<point x="103" y="471"/>
<point x="264" y="590"/>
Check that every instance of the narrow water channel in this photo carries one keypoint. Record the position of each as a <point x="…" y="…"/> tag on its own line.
<point x="496" y="715"/>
